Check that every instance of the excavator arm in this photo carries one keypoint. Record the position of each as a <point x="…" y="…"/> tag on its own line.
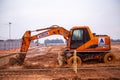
<point x="27" y="38"/>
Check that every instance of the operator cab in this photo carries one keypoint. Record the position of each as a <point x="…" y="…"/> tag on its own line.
<point x="79" y="37"/>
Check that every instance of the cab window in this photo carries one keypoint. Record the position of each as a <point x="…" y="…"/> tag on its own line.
<point x="79" y="37"/>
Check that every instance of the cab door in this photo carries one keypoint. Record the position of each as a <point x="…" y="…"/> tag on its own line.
<point x="79" y="37"/>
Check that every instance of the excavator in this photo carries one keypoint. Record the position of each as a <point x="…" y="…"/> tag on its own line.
<point x="88" y="45"/>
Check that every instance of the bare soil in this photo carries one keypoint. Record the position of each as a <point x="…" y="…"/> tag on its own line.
<point x="46" y="58"/>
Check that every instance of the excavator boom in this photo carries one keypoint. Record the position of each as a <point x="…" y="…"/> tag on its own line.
<point x="27" y="38"/>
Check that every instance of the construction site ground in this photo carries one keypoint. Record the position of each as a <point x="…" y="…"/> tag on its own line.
<point x="41" y="64"/>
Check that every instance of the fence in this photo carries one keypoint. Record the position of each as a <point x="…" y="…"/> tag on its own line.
<point x="11" y="44"/>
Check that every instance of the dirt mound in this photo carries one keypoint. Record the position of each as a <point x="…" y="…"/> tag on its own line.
<point x="43" y="61"/>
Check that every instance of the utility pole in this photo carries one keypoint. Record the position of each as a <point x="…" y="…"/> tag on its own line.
<point x="10" y="30"/>
<point x="9" y="33"/>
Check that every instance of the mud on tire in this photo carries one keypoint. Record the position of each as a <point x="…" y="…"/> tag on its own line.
<point x="109" y="58"/>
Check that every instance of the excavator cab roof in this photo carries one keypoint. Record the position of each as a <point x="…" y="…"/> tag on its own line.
<point x="77" y="27"/>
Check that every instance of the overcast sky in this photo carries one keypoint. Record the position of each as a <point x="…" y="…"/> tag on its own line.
<point x="102" y="16"/>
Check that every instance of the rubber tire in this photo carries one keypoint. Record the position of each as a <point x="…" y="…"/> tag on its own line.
<point x="70" y="60"/>
<point x="108" y="56"/>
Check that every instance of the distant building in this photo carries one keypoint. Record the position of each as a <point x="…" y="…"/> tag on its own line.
<point x="117" y="41"/>
<point x="53" y="42"/>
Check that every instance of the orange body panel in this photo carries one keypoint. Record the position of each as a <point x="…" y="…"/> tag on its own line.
<point x="94" y="40"/>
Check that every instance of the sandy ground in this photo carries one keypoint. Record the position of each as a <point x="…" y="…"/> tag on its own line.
<point x="46" y="58"/>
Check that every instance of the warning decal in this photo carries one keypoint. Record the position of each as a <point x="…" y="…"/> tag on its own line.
<point x="101" y="41"/>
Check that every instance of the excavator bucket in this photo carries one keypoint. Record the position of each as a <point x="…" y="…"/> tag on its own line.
<point x="18" y="60"/>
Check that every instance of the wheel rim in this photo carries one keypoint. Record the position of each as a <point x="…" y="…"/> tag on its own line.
<point x="110" y="58"/>
<point x="77" y="61"/>
<point x="70" y="61"/>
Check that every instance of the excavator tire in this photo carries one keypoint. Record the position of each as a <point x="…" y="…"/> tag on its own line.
<point x="71" y="59"/>
<point x="109" y="58"/>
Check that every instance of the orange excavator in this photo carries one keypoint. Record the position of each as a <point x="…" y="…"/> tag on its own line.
<point x="88" y="45"/>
